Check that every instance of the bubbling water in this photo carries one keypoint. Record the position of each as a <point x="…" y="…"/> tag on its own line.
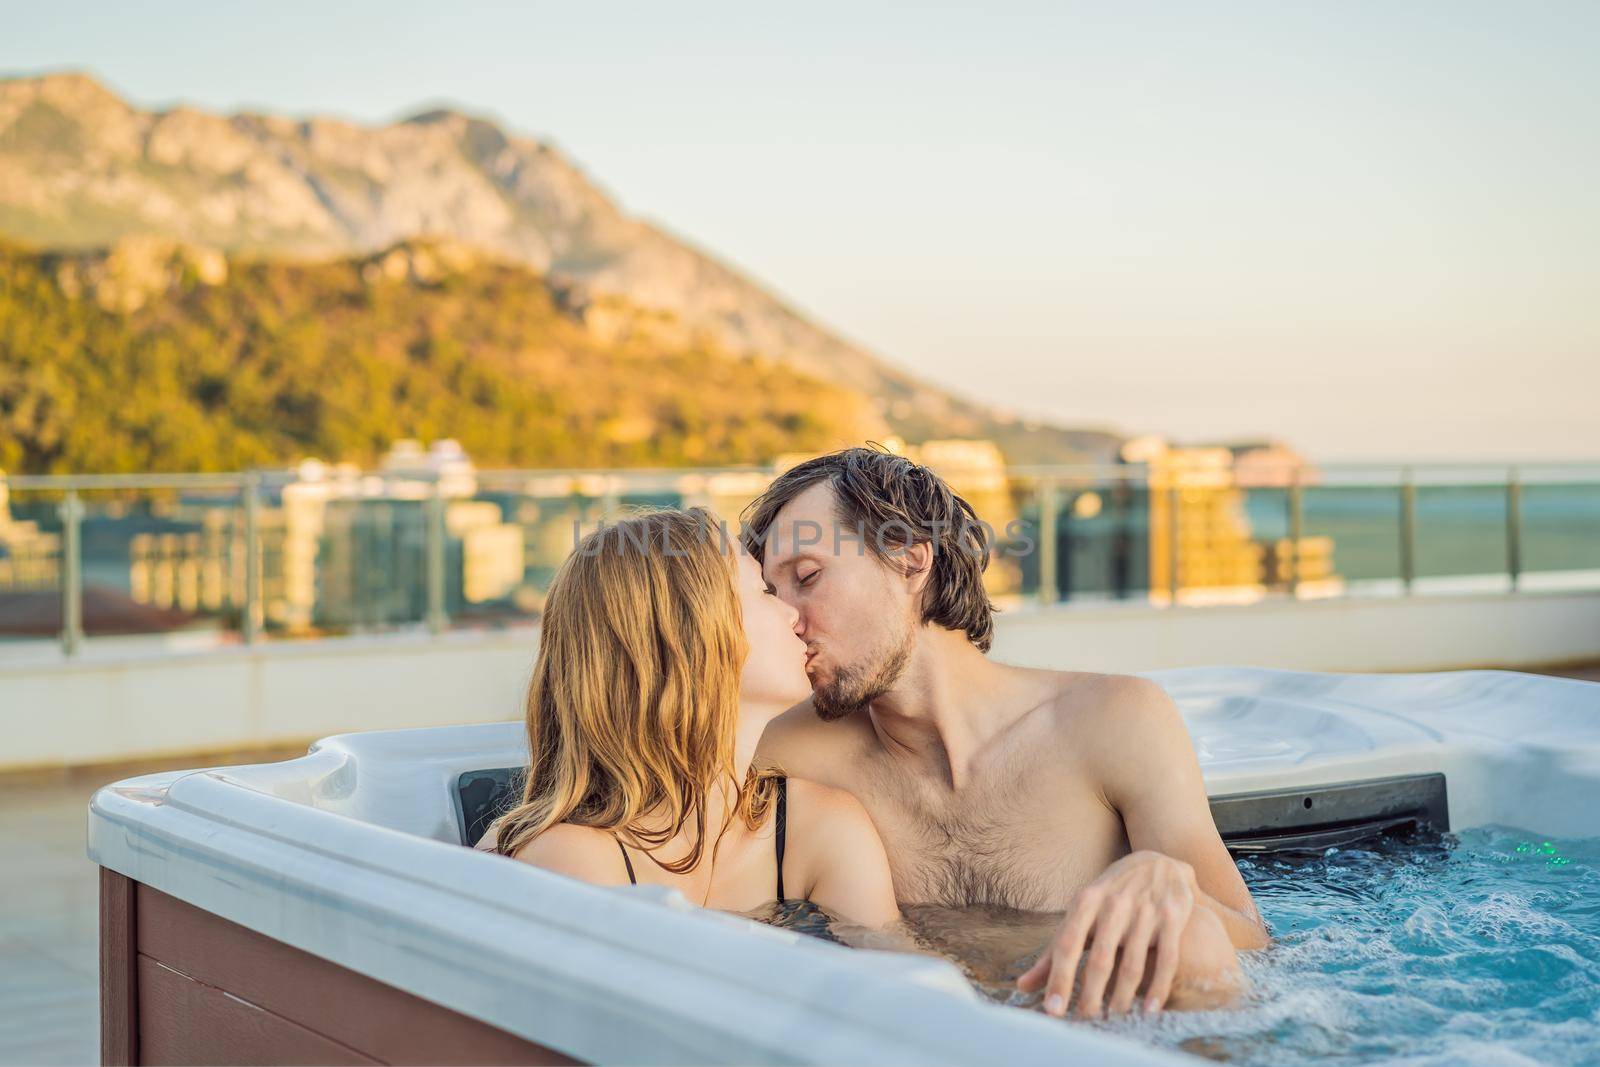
<point x="1481" y="947"/>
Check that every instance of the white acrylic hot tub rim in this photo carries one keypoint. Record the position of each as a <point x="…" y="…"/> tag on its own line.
<point x="611" y="976"/>
<point x="635" y="975"/>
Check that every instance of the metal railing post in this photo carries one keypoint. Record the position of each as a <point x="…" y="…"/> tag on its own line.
<point x="434" y="560"/>
<point x="1174" y="501"/>
<point x="71" y="573"/>
<point x="251" y="620"/>
<point x="1296" y="530"/>
<point x="610" y="500"/>
<point x="1049" y="590"/>
<point x="1514" y="527"/>
<point x="1408" y="528"/>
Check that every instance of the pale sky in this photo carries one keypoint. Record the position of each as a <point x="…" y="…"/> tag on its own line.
<point x="1368" y="228"/>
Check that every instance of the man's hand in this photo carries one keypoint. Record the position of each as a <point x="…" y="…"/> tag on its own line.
<point x="1142" y="902"/>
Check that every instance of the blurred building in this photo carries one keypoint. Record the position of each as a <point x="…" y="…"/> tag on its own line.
<point x="1200" y="536"/>
<point x="192" y="570"/>
<point x="30" y="558"/>
<point x="339" y="548"/>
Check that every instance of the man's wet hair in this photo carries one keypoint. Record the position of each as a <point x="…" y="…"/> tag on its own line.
<point x="887" y="503"/>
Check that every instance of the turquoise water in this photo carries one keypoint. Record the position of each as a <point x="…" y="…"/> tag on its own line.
<point x="1480" y="948"/>
<point x="1476" y="948"/>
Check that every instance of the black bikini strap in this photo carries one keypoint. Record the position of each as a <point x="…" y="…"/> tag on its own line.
<point x="782" y="818"/>
<point x="626" y="861"/>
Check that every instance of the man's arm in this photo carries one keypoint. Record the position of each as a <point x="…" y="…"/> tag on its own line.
<point x="1152" y="779"/>
<point x="1138" y="910"/>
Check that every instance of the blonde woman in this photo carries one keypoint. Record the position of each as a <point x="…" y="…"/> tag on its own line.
<point x="662" y="657"/>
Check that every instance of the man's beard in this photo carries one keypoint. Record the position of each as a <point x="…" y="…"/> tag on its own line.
<point x="853" y="688"/>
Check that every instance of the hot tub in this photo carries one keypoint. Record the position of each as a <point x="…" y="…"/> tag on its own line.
<point x="323" y="909"/>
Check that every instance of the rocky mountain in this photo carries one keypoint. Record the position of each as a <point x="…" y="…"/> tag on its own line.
<point x="80" y="168"/>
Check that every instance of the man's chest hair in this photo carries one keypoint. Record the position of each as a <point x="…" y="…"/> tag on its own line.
<point x="997" y="842"/>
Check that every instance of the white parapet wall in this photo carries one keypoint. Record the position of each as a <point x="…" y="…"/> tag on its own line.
<point x="123" y="701"/>
<point x="1412" y="633"/>
<point x="143" y="703"/>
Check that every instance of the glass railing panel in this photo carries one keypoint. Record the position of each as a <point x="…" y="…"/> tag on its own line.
<point x="1252" y="548"/>
<point x="1009" y="508"/>
<point x="1103" y="540"/>
<point x="488" y="536"/>
<point x="1295" y="558"/>
<point x="1461" y="538"/>
<point x="512" y="534"/>
<point x="1560" y="544"/>
<point x="1351" y="527"/>
<point x="512" y="572"/>
<point x="31" y="568"/>
<point x="371" y="567"/>
<point x="163" y="567"/>
<point x="341" y="551"/>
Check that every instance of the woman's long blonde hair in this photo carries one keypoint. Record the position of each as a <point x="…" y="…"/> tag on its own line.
<point x="634" y="702"/>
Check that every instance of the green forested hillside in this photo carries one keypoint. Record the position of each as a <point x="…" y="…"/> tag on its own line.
<point x="165" y="361"/>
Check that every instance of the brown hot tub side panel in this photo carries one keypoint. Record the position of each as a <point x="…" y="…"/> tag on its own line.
<point x="181" y="985"/>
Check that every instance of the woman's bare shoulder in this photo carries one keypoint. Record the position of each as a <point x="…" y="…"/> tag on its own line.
<point x="842" y="856"/>
<point x="582" y="852"/>
<point x="831" y="825"/>
<point x="825" y="806"/>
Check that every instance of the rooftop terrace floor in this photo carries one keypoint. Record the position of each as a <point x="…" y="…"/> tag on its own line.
<point x="49" y="907"/>
<point x="49" y="958"/>
<point x="50" y="912"/>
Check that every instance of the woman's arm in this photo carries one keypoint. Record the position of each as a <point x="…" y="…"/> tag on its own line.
<point x="842" y="855"/>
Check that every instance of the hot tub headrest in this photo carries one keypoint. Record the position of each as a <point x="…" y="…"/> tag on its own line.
<point x="483" y="795"/>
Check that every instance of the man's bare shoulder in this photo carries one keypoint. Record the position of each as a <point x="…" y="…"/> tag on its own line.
<point x="1119" y="725"/>
<point x="1109" y="708"/>
<point x="799" y="743"/>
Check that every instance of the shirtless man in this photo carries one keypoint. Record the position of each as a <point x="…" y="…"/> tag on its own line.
<point x="991" y="784"/>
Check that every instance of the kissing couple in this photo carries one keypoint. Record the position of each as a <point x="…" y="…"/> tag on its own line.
<point x="794" y="716"/>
